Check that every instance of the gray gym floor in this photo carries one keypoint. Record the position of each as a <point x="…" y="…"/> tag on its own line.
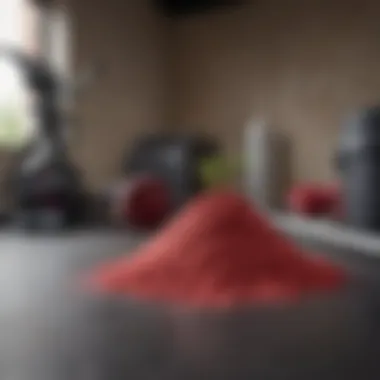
<point x="51" y="330"/>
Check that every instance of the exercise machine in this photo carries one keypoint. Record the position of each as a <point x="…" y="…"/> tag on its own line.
<point x="45" y="184"/>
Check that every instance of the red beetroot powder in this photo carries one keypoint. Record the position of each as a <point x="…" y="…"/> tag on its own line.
<point x="219" y="252"/>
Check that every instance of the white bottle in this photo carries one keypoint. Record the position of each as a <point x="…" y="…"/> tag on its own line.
<point x="256" y="163"/>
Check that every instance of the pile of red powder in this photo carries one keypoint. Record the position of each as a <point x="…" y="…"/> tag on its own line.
<point x="219" y="252"/>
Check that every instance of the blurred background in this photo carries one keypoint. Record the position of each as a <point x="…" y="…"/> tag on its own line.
<point x="279" y="99"/>
<point x="114" y="114"/>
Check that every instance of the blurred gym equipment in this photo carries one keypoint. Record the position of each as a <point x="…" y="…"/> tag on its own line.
<point x="358" y="161"/>
<point x="176" y="159"/>
<point x="141" y="203"/>
<point x="45" y="185"/>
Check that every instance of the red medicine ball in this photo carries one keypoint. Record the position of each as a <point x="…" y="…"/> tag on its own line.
<point x="145" y="202"/>
<point x="314" y="199"/>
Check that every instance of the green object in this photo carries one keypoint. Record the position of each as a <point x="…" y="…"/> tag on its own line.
<point x="218" y="171"/>
<point x="12" y="126"/>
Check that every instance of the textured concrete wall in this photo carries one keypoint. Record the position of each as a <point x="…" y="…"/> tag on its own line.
<point x="130" y="37"/>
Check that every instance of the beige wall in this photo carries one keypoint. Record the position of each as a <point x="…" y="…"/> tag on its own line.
<point x="131" y="99"/>
<point x="301" y="64"/>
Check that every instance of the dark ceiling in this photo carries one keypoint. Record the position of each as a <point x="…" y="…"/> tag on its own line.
<point x="186" y="7"/>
